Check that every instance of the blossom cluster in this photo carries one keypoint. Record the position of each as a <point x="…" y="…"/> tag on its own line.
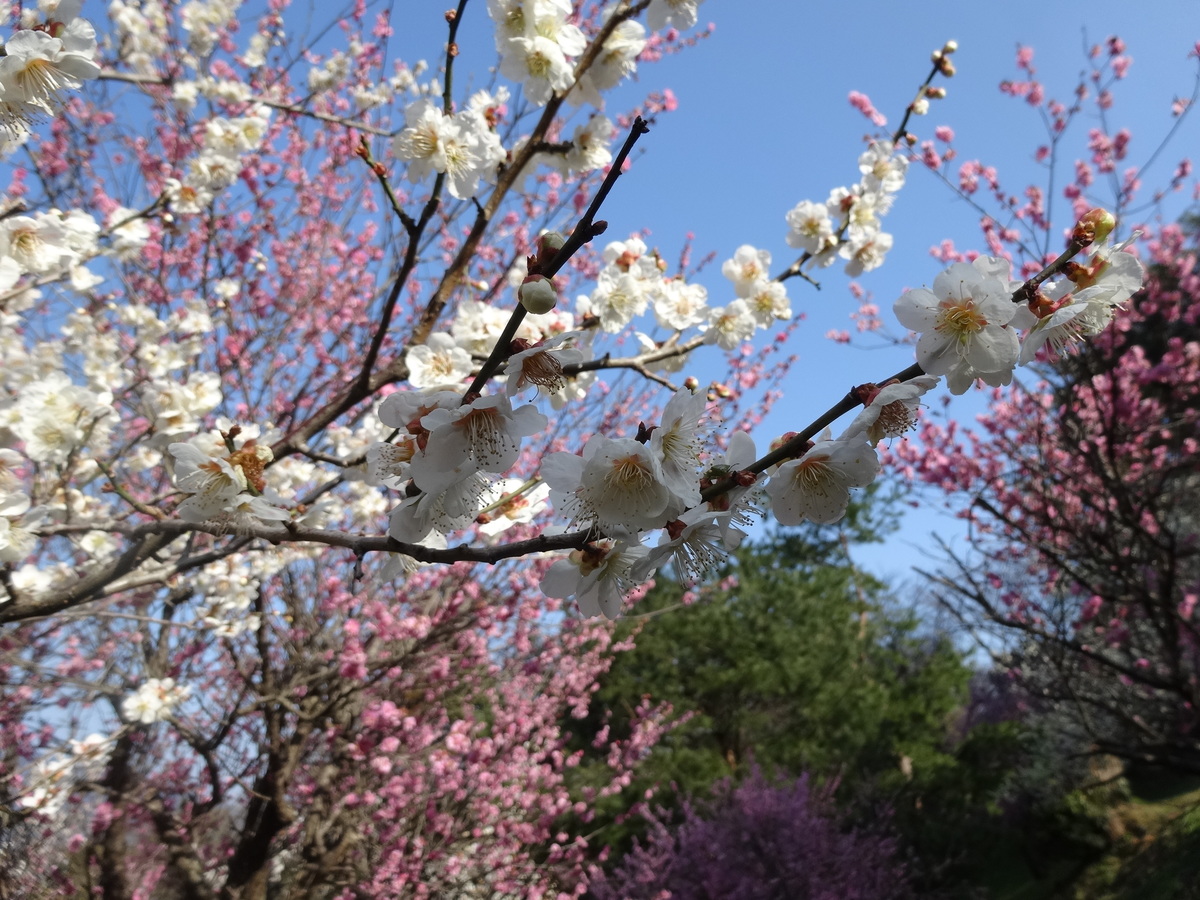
<point x="454" y="449"/>
<point x="847" y="224"/>
<point x="970" y="327"/>
<point x="464" y="147"/>
<point x="154" y="700"/>
<point x="539" y="48"/>
<point x="45" y="58"/>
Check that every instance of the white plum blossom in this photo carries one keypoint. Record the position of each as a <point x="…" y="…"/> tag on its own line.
<point x="768" y="302"/>
<point x="213" y="170"/>
<point x="590" y="145"/>
<point x="1101" y="285"/>
<point x="401" y="565"/>
<point x="482" y="436"/>
<point x="186" y="199"/>
<point x="449" y="510"/>
<point x="617" y="61"/>
<point x="176" y="409"/>
<point x="676" y="444"/>
<point x="679" y="305"/>
<point x="128" y="232"/>
<point x="810" y="228"/>
<point x="680" y="14"/>
<point x="36" y="68"/>
<point x="696" y="544"/>
<point x="48" y="785"/>
<point x="883" y="169"/>
<point x="477" y="325"/>
<point x="54" y="417"/>
<point x="216" y="483"/>
<point x="40" y="244"/>
<point x="892" y="411"/>
<point x="747" y="268"/>
<point x="616" y="485"/>
<point x="962" y="322"/>
<point x="816" y="487"/>
<point x="439" y="362"/>
<point x="460" y="146"/>
<point x="154" y="700"/>
<point x="865" y="252"/>
<point x="539" y="64"/>
<point x="730" y="326"/>
<point x="542" y="364"/>
<point x="520" y="502"/>
<point x="597" y="577"/>
<point x="18" y="524"/>
<point x="404" y="410"/>
<point x="387" y="464"/>
<point x="247" y="510"/>
<point x="617" y="299"/>
<point x="743" y="503"/>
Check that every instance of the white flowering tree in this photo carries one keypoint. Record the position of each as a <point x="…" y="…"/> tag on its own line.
<point x="312" y="471"/>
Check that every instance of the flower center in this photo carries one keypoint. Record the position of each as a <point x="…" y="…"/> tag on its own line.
<point x="960" y="319"/>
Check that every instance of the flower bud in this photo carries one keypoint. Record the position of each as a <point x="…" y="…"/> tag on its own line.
<point x="949" y="47"/>
<point x="537" y="294"/>
<point x="549" y="244"/>
<point x="1094" y="225"/>
<point x="547" y="247"/>
<point x="782" y="439"/>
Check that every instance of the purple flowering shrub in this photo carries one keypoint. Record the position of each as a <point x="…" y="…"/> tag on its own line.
<point x="759" y="841"/>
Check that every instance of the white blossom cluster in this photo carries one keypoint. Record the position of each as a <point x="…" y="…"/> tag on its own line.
<point x="223" y="477"/>
<point x="464" y="147"/>
<point x="455" y="452"/>
<point x="52" y="52"/>
<point x="538" y="48"/>
<point x="847" y="224"/>
<point x="970" y="328"/>
<point x="154" y="700"/>
<point x="219" y="161"/>
<point x="48" y="784"/>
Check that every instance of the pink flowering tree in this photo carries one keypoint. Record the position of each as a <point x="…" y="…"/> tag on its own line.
<point x="290" y="375"/>
<point x="1082" y="479"/>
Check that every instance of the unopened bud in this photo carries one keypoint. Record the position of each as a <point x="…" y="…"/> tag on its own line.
<point x="935" y="93"/>
<point x="950" y="46"/>
<point x="1094" y="225"/>
<point x="537" y="294"/>
<point x="692" y="383"/>
<point x="782" y="439"/>
<point x="865" y="393"/>
<point x="920" y="106"/>
<point x="549" y="244"/>
<point x="947" y="68"/>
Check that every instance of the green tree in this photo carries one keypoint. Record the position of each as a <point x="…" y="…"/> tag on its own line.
<point x="793" y="658"/>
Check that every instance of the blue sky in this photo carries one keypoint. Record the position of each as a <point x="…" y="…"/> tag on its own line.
<point x="763" y="122"/>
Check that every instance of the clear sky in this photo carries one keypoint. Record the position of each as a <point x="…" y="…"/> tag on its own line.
<point x="763" y="122"/>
